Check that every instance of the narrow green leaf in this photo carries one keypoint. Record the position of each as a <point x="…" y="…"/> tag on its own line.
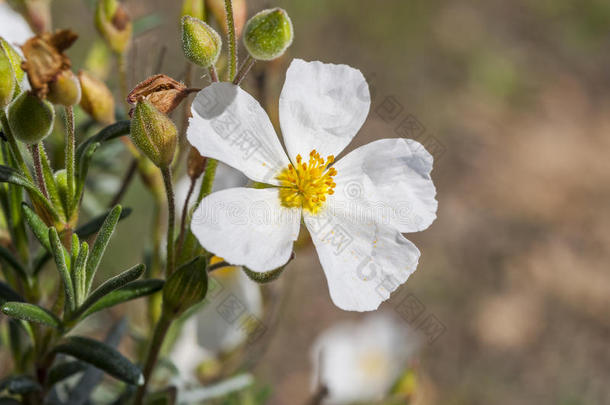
<point x="78" y="273"/>
<point x="60" y="261"/>
<point x="10" y="175"/>
<point x="20" y="384"/>
<point x="38" y="227"/>
<point x="83" y="169"/>
<point x="133" y="290"/>
<point x="110" y="285"/>
<point x="113" y="131"/>
<point x="65" y="370"/>
<point x="47" y="173"/>
<point x="94" y="225"/>
<point x="101" y="356"/>
<point x="99" y="246"/>
<point x="8" y="294"/>
<point x="13" y="262"/>
<point x="30" y="313"/>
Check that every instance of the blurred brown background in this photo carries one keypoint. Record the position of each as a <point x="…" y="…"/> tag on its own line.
<point x="512" y="99"/>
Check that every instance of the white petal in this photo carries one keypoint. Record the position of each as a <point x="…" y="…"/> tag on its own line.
<point x="247" y="227"/>
<point x="388" y="181"/>
<point x="13" y="27"/>
<point x="363" y="261"/>
<point x="228" y="124"/>
<point x="322" y="107"/>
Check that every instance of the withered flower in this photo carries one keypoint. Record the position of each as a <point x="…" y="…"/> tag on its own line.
<point x="45" y="58"/>
<point x="161" y="91"/>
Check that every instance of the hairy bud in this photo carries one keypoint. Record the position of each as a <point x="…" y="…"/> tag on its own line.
<point x="200" y="42"/>
<point x="154" y="133"/>
<point x="96" y="98"/>
<point x="268" y="34"/>
<point x="30" y="118"/>
<point x="185" y="287"/>
<point x="65" y="89"/>
<point x="114" y="24"/>
<point x="8" y="81"/>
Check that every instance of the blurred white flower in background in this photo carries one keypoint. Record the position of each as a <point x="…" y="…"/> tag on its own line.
<point x="221" y="325"/>
<point x="360" y="361"/>
<point x="13" y="27"/>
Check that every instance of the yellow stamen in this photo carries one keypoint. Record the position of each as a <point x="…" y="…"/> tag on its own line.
<point x="306" y="185"/>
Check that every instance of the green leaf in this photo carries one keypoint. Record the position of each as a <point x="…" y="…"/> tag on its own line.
<point x="94" y="225"/>
<point x="10" y="175"/>
<point x="49" y="179"/>
<point x="38" y="227"/>
<point x="13" y="262"/>
<point x="78" y="273"/>
<point x="30" y="313"/>
<point x="101" y="356"/>
<point x="65" y="370"/>
<point x="99" y="246"/>
<point x="8" y="294"/>
<point x="110" y="285"/>
<point x="60" y="261"/>
<point x="133" y="290"/>
<point x="83" y="169"/>
<point x="112" y="131"/>
<point x="20" y="384"/>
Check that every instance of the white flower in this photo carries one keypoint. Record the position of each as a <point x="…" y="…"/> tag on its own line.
<point x="13" y="27"/>
<point x="355" y="209"/>
<point x="214" y="329"/>
<point x="360" y="361"/>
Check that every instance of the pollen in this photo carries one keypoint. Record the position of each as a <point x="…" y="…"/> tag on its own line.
<point x="306" y="185"/>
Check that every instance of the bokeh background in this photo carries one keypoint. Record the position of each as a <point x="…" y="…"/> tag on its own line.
<point x="512" y="100"/>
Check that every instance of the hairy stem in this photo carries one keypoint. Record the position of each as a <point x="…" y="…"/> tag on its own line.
<point x="244" y="69"/>
<point x="232" y="39"/>
<point x="185" y="208"/>
<point x="70" y="142"/>
<point x="171" y="219"/>
<point x="38" y="169"/>
<point x="153" y="354"/>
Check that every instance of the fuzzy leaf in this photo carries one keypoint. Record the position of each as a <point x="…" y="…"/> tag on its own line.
<point x="113" y="131"/>
<point x="110" y="285"/>
<point x="38" y="227"/>
<point x="133" y="290"/>
<point x="60" y="261"/>
<point x="78" y="273"/>
<point x="30" y="313"/>
<point x="94" y="225"/>
<point x="99" y="246"/>
<point x="101" y="356"/>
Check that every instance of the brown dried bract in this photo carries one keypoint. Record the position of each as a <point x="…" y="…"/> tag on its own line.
<point x="162" y="91"/>
<point x="45" y="59"/>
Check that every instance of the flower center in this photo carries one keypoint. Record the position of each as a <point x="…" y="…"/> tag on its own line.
<point x="306" y="185"/>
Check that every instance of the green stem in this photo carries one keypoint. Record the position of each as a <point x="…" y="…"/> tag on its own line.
<point x="153" y="354"/>
<point x="38" y="168"/>
<point x="70" y="144"/>
<point x="183" y="217"/>
<point x="244" y="69"/>
<point x="16" y="152"/>
<point x="232" y="39"/>
<point x="208" y="180"/>
<point x="171" y="219"/>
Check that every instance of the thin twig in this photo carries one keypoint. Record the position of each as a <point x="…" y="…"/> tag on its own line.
<point x="244" y="69"/>
<point x="183" y="217"/>
<point x="38" y="168"/>
<point x="232" y="39"/>
<point x="171" y="218"/>
<point x="213" y="74"/>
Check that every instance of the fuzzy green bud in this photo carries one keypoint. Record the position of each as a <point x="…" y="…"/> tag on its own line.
<point x="96" y="98"/>
<point x="200" y="42"/>
<point x="154" y="133"/>
<point x="193" y="8"/>
<point x="114" y="24"/>
<point x="30" y="118"/>
<point x="185" y="287"/>
<point x="65" y="89"/>
<point x="268" y="34"/>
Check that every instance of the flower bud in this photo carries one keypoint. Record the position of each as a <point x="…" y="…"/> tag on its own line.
<point x="193" y="8"/>
<point x="154" y="133"/>
<point x="185" y="287"/>
<point x="30" y="118"/>
<point x="114" y="24"/>
<point x="7" y="80"/>
<point x="268" y="34"/>
<point x="195" y="164"/>
<point x="96" y="98"/>
<point x="200" y="42"/>
<point x="65" y="89"/>
<point x="240" y="12"/>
